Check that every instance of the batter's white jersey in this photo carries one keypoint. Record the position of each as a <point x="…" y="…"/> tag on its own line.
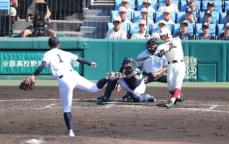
<point x="120" y="34"/>
<point x="152" y="64"/>
<point x="173" y="49"/>
<point x="176" y="68"/>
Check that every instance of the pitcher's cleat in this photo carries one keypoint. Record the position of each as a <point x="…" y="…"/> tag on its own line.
<point x="71" y="133"/>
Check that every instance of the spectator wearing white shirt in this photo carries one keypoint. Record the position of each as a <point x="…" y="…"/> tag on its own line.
<point x="169" y="5"/>
<point x="161" y="24"/>
<point x="141" y="34"/>
<point x="126" y="4"/>
<point x="116" y="32"/>
<point x="122" y="14"/>
<point x="144" y="14"/>
<point x="147" y="4"/>
<point x="167" y="17"/>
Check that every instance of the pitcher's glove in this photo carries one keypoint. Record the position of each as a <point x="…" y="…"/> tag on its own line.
<point x="27" y="84"/>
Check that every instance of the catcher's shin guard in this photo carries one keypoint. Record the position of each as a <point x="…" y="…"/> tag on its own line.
<point x="110" y="87"/>
<point x="100" y="84"/>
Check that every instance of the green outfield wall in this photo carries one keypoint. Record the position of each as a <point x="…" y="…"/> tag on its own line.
<point x="205" y="60"/>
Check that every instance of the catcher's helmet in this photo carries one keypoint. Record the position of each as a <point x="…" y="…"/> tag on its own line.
<point x="128" y="60"/>
<point x="151" y="45"/>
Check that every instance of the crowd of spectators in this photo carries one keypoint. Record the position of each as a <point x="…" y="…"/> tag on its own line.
<point x="191" y="19"/>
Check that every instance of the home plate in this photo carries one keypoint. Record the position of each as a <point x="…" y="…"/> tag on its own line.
<point x="34" y="141"/>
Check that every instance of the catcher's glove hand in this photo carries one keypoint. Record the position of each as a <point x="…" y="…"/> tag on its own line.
<point x="114" y="75"/>
<point x="27" y="84"/>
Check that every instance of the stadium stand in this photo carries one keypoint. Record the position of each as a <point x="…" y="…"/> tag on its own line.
<point x="219" y="28"/>
<point x="222" y="17"/>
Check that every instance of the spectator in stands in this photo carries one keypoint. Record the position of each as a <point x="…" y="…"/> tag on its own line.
<point x="170" y="6"/>
<point x="147" y="4"/>
<point x="125" y="3"/>
<point x="116" y="32"/>
<point x="205" y="35"/>
<point x="141" y="34"/>
<point x="167" y="17"/>
<point x="122" y="14"/>
<point x="183" y="33"/>
<point x="161" y="24"/>
<point x="13" y="10"/>
<point x="225" y="34"/>
<point x="211" y="6"/>
<point x="144" y="14"/>
<point x="208" y="17"/>
<point x="189" y="16"/>
<point x="31" y="13"/>
<point x="191" y="4"/>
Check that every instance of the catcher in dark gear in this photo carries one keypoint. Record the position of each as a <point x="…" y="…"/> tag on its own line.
<point x="132" y="82"/>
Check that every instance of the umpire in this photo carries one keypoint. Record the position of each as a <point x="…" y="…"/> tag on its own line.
<point x="154" y="68"/>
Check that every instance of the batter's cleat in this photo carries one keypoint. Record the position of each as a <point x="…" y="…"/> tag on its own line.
<point x="169" y="104"/>
<point x="101" y="100"/>
<point x="71" y="133"/>
<point x="181" y="99"/>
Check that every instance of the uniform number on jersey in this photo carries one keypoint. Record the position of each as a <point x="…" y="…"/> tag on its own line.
<point x="60" y="60"/>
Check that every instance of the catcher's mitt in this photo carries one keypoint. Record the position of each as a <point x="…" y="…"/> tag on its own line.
<point x="114" y="75"/>
<point x="27" y="84"/>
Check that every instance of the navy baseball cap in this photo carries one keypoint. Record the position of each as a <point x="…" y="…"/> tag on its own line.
<point x="53" y="42"/>
<point x="185" y="22"/>
<point x="189" y="10"/>
<point x="205" y="25"/>
<point x="208" y="13"/>
<point x="226" y="25"/>
<point x="211" y="3"/>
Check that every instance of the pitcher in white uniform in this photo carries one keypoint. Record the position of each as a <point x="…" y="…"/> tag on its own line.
<point x="59" y="63"/>
<point x="172" y="49"/>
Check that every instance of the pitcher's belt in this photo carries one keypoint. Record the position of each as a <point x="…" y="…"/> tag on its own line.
<point x="61" y="76"/>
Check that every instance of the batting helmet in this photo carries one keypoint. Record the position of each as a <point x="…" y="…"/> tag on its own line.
<point x="53" y="42"/>
<point x="151" y="45"/>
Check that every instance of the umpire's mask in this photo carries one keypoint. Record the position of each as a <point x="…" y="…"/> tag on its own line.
<point x="151" y="45"/>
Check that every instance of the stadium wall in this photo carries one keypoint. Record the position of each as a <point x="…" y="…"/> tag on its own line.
<point x="206" y="61"/>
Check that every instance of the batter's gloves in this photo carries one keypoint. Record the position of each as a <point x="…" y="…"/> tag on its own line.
<point x="27" y="84"/>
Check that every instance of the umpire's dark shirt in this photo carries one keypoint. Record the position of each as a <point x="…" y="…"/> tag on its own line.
<point x="222" y="36"/>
